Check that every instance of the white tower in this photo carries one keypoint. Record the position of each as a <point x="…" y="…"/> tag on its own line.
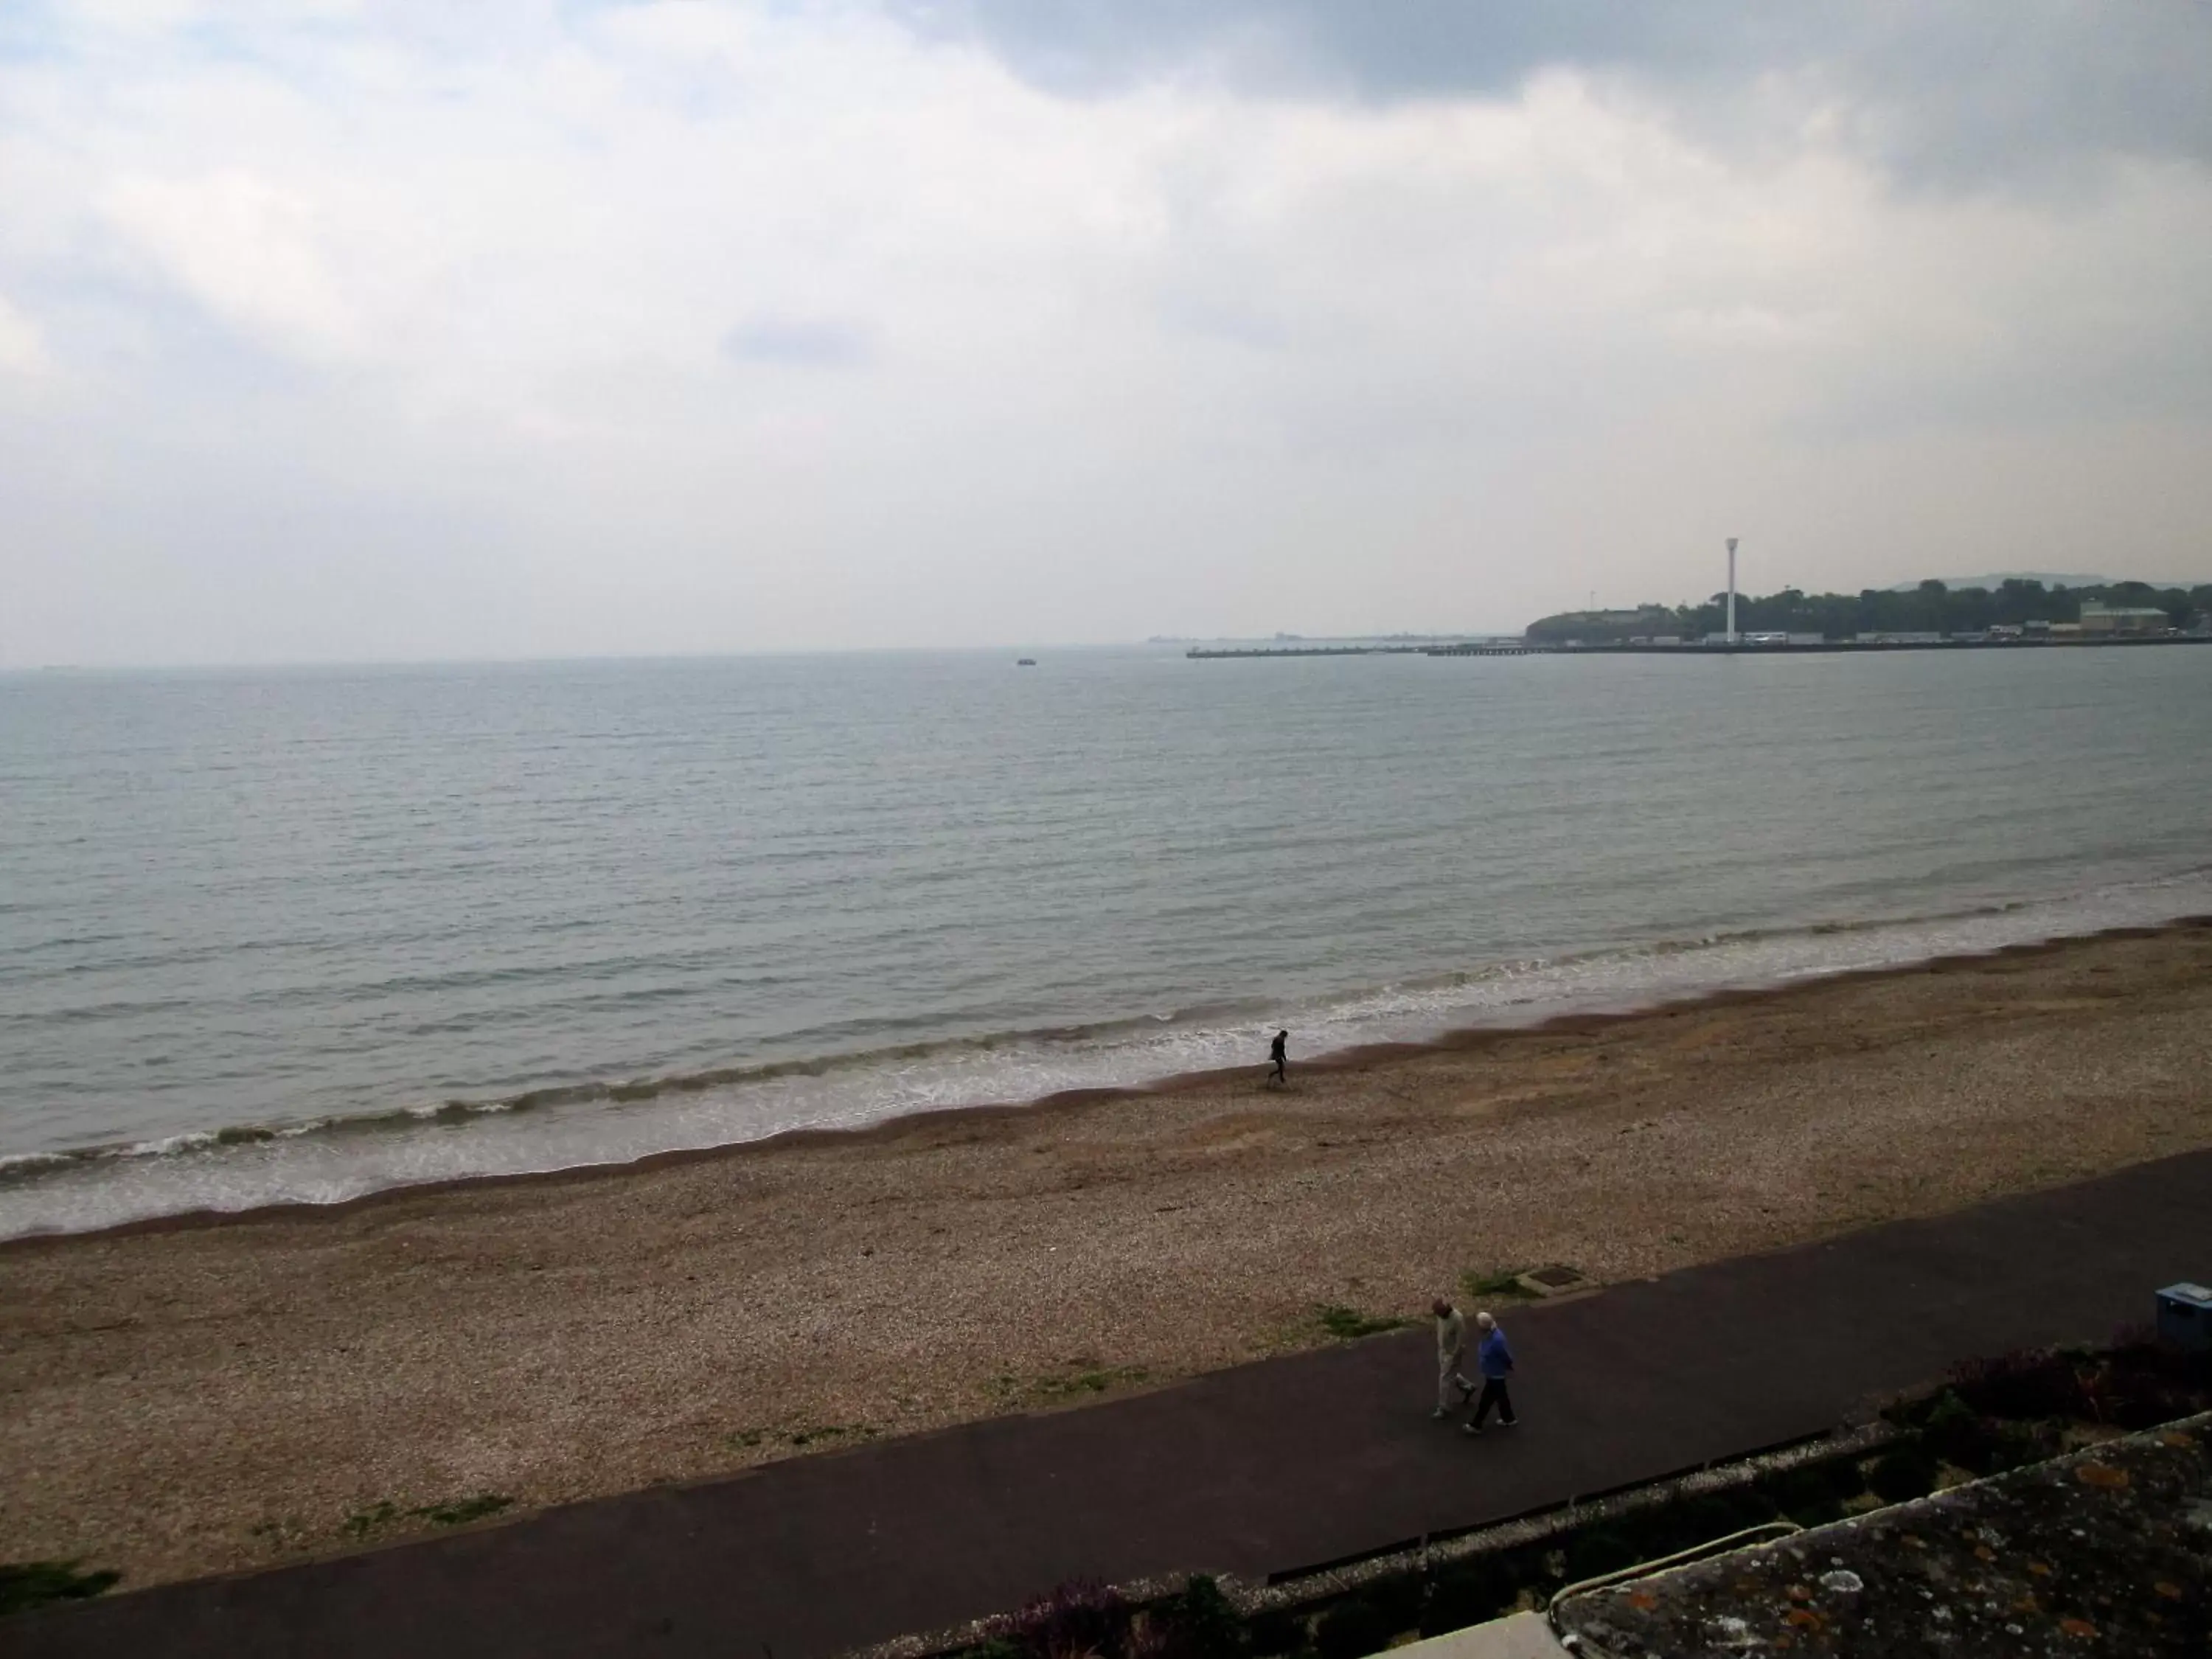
<point x="1731" y="608"/>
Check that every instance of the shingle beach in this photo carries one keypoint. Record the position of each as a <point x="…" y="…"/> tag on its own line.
<point x="196" y="1397"/>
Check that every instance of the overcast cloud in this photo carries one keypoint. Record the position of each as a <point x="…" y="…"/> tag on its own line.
<point x="347" y="331"/>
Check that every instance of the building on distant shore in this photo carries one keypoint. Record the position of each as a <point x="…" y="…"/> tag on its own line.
<point x="2124" y="619"/>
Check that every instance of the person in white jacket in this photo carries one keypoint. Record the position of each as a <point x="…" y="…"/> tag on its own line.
<point x="1451" y="1348"/>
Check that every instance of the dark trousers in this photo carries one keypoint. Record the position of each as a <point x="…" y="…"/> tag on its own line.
<point x="1494" y="1394"/>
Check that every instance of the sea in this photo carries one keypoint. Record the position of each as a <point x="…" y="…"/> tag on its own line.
<point x="298" y="935"/>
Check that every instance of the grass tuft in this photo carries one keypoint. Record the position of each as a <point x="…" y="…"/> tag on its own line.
<point x="1349" y="1324"/>
<point x="375" y="1518"/>
<point x="1496" y="1287"/>
<point x="28" y="1585"/>
<point x="464" y="1510"/>
<point x="363" y="1523"/>
<point x="1074" y="1384"/>
<point x="828" y="1431"/>
<point x="800" y="1435"/>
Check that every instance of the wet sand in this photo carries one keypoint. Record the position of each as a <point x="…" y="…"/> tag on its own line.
<point x="188" y="1398"/>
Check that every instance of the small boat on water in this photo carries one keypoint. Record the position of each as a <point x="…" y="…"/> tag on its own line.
<point x="1026" y="662"/>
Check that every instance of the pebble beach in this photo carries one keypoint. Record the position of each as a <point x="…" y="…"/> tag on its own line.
<point x="216" y="1393"/>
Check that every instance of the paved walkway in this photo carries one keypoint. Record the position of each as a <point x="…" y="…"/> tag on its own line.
<point x="1267" y="1468"/>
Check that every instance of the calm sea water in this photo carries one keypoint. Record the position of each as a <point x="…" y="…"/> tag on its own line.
<point x="300" y="935"/>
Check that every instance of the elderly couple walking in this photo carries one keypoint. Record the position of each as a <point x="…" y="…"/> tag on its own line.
<point x="1494" y="1358"/>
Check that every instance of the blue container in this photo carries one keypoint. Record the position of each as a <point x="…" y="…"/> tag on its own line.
<point x="2185" y="1316"/>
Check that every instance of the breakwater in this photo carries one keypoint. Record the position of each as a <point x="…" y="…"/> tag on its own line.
<point x="1699" y="648"/>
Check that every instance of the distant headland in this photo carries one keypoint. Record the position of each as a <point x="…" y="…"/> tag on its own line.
<point x="2015" y="610"/>
<point x="2017" y="606"/>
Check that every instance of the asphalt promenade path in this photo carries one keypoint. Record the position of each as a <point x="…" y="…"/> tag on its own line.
<point x="1267" y="1468"/>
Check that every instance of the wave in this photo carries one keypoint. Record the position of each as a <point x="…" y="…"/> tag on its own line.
<point x="578" y="1124"/>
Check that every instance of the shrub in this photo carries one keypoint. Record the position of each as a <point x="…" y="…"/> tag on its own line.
<point x="1398" y="1601"/>
<point x="2017" y="1444"/>
<point x="1276" y="1633"/>
<point x="1902" y="1472"/>
<point x="1957" y="1433"/>
<point x="1753" y="1504"/>
<point x="2145" y="1382"/>
<point x="1713" y="1514"/>
<point x="1845" y="1480"/>
<point x="2140" y="1398"/>
<point x="1197" y="1622"/>
<point x="1354" y="1629"/>
<point x="1812" y="1492"/>
<point x="1076" y="1619"/>
<point x="1598" y="1550"/>
<point x="2027" y="1382"/>
<point x="1468" y="1594"/>
<point x="1656" y="1531"/>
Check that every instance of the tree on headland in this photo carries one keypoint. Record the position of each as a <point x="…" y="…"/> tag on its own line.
<point x="1931" y="607"/>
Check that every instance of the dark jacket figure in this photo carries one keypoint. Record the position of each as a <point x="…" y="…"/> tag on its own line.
<point x="1494" y="1359"/>
<point x="1279" y="1050"/>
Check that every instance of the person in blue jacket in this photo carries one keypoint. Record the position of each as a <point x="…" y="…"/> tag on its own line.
<point x="1494" y="1359"/>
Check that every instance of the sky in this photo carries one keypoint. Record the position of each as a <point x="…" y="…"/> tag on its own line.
<point x="347" y="331"/>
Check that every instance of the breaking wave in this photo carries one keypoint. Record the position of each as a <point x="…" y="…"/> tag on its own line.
<point x="574" y="1125"/>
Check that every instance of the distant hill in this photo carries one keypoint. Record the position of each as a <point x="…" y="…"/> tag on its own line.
<point x="2001" y="577"/>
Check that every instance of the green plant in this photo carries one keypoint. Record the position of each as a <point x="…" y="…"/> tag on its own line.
<point x="2026" y="1384"/>
<point x="457" y="1512"/>
<point x="1398" y="1601"/>
<point x="1902" y="1472"/>
<point x="1600" y="1550"/>
<point x="1277" y="1632"/>
<point x="1468" y="1594"/>
<point x="460" y="1512"/>
<point x="361" y="1523"/>
<point x="1807" y="1492"/>
<point x="1715" y="1515"/>
<point x="1349" y="1325"/>
<point x="1354" y="1629"/>
<point x="1844" y="1478"/>
<point x="1074" y="1620"/>
<point x="1072" y="1385"/>
<point x="1495" y="1287"/>
<point x="1197" y="1622"/>
<point x="281" y="1532"/>
<point x="28" y="1585"/>
<point x="1955" y="1433"/>
<point x="814" y="1436"/>
<point x="1752" y="1506"/>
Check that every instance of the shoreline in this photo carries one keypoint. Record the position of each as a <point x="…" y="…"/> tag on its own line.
<point x="1460" y="1039"/>
<point x="190" y="1395"/>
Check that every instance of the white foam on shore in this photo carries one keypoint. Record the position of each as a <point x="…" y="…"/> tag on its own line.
<point x="333" y="1160"/>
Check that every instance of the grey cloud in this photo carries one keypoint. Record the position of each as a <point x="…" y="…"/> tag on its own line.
<point x="802" y="342"/>
<point x="1945" y="96"/>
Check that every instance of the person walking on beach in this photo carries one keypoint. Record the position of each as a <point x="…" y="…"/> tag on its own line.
<point x="1280" y="1051"/>
<point x="1451" y="1349"/>
<point x="1494" y="1359"/>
